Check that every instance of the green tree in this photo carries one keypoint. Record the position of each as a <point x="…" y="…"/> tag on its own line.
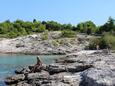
<point x="53" y="26"/>
<point x="21" y="31"/>
<point x="67" y="27"/>
<point x="41" y="28"/>
<point x="108" y="26"/>
<point x="80" y="27"/>
<point x="90" y="27"/>
<point x="12" y="34"/>
<point x="87" y="27"/>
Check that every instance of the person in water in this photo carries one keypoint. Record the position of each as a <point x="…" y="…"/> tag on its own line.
<point x="38" y="66"/>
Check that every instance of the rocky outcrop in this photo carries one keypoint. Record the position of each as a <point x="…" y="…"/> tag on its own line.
<point x="94" y="69"/>
<point x="34" y="44"/>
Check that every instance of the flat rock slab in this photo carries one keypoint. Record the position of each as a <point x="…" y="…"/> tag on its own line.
<point x="40" y="75"/>
<point x="56" y="68"/>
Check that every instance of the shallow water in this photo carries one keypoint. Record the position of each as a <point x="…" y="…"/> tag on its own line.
<point x="8" y="63"/>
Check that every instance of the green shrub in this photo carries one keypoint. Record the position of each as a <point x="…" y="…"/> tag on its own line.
<point x="3" y="36"/>
<point x="110" y="39"/>
<point x="60" y="41"/>
<point x="12" y="35"/>
<point x="97" y="41"/>
<point x="41" y="28"/>
<point x="55" y="43"/>
<point x="68" y="33"/>
<point x="103" y="42"/>
<point x="44" y="36"/>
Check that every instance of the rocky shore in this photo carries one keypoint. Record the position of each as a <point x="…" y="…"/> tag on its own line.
<point x="36" y="44"/>
<point x="86" y="69"/>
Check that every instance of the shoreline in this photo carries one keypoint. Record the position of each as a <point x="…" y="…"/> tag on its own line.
<point x="17" y="53"/>
<point x="73" y="69"/>
<point x="10" y="62"/>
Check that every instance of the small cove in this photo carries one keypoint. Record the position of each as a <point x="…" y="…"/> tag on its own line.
<point x="8" y="63"/>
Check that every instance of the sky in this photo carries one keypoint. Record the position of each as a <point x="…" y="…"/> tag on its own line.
<point x="62" y="11"/>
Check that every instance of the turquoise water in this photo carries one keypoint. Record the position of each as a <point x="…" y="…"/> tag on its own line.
<point x="8" y="63"/>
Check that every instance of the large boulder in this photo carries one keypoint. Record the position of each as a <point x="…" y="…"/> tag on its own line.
<point x="98" y="77"/>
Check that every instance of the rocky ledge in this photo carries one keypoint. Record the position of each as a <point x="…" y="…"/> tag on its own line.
<point x="95" y="69"/>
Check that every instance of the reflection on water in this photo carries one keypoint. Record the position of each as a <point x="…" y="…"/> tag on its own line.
<point x="8" y="63"/>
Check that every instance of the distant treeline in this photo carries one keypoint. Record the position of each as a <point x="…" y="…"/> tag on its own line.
<point x="19" y="27"/>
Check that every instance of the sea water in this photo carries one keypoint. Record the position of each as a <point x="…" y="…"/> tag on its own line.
<point x="9" y="63"/>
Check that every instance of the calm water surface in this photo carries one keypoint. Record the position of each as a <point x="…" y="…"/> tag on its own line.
<point x="8" y="63"/>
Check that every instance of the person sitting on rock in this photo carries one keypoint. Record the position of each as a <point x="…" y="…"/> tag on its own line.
<point x="38" y="66"/>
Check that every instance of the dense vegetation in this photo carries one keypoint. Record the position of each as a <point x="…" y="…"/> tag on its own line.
<point x="20" y="27"/>
<point x="105" y="41"/>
